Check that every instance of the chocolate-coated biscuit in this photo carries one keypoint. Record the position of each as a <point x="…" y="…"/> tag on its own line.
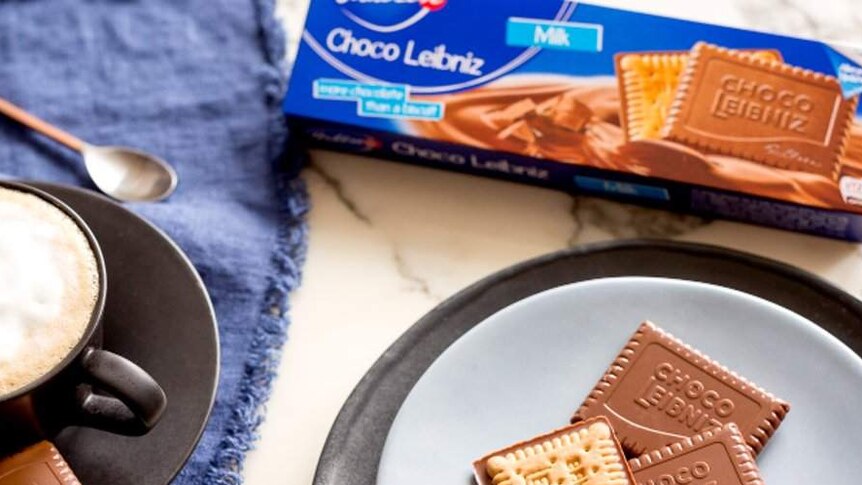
<point x="765" y="111"/>
<point x="585" y="453"/>
<point x="717" y="456"/>
<point x="660" y="390"/>
<point x="40" y="464"/>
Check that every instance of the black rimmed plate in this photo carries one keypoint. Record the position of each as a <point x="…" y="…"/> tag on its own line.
<point x="357" y="451"/>
<point x="157" y="314"/>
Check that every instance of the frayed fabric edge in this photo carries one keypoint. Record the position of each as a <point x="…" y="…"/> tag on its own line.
<point x="260" y="369"/>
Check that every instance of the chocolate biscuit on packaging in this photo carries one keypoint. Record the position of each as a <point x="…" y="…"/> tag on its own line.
<point x="648" y="83"/>
<point x="659" y="391"/>
<point x="768" y="112"/>
<point x="40" y="464"/>
<point x="585" y="453"/>
<point x="717" y="456"/>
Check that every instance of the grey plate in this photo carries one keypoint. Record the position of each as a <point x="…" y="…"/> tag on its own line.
<point x="159" y="315"/>
<point x="524" y="370"/>
<point x="353" y="449"/>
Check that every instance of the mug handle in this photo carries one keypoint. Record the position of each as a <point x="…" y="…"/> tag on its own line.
<point x="136" y="404"/>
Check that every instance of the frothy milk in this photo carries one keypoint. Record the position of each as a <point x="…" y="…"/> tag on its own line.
<point x="49" y="285"/>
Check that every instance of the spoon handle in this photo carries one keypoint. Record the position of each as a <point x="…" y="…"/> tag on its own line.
<point x="41" y="126"/>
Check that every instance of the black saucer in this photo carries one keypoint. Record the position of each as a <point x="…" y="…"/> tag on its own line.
<point x="353" y="448"/>
<point x="158" y="314"/>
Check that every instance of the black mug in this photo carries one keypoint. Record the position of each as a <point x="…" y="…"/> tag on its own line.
<point x="91" y="387"/>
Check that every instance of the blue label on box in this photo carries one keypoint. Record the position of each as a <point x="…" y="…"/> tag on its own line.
<point x="346" y="90"/>
<point x="376" y="100"/>
<point x="603" y="186"/>
<point x="411" y="110"/>
<point x="571" y="36"/>
<point x="848" y="71"/>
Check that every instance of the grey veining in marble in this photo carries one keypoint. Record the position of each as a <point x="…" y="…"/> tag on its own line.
<point x="340" y="192"/>
<point x="412" y="279"/>
<point x="629" y="221"/>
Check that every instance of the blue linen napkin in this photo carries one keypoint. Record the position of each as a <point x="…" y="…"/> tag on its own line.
<point x="198" y="82"/>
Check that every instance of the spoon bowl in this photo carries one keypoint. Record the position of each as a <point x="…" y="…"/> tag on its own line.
<point x="125" y="174"/>
<point x="128" y="174"/>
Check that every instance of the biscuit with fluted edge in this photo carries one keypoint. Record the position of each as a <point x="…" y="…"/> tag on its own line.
<point x="718" y="456"/>
<point x="586" y="453"/>
<point x="660" y="390"/>
<point x="768" y="112"/>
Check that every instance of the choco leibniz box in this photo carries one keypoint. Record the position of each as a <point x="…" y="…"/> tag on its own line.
<point x="686" y="116"/>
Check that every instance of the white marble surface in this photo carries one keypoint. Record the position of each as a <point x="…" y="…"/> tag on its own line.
<point x="389" y="242"/>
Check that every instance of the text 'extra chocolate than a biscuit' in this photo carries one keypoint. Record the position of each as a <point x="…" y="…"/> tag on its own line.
<point x="659" y="391"/>
<point x="717" y="457"/>
<point x="585" y="453"/>
<point x="768" y="112"/>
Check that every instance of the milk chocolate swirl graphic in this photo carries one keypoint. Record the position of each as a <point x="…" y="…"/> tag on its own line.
<point x="579" y="123"/>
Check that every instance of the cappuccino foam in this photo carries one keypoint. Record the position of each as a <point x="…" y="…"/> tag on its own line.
<point x="49" y="285"/>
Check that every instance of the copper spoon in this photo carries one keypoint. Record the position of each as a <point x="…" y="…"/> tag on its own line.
<point x="123" y="173"/>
